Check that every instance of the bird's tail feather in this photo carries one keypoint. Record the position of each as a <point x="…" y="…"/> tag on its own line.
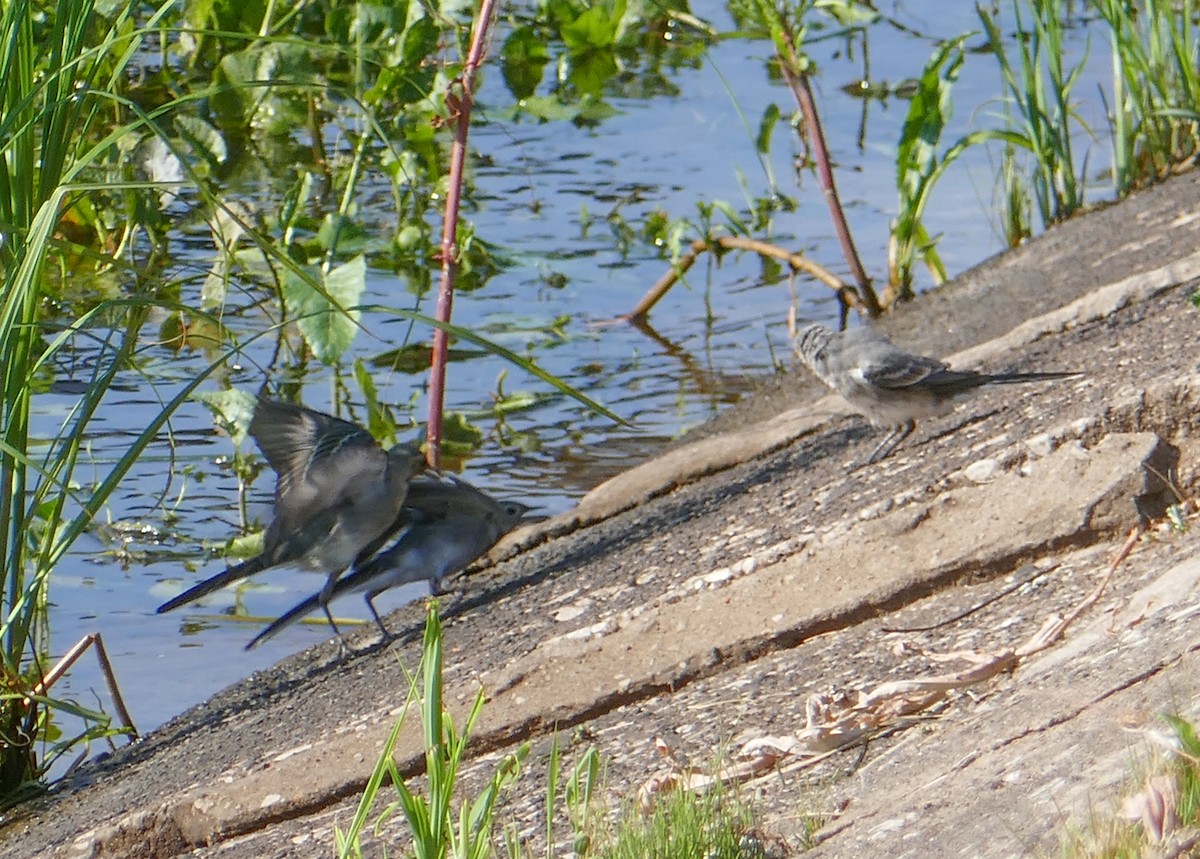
<point x="286" y="619"/>
<point x="1016" y="378"/>
<point x="343" y="585"/>
<point x="220" y="580"/>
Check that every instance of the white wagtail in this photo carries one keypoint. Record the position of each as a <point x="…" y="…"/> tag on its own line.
<point x="890" y="387"/>
<point x="443" y="527"/>
<point x="336" y="497"/>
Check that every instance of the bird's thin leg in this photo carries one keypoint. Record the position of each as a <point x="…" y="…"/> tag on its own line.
<point x="378" y="620"/>
<point x="892" y="441"/>
<point x="344" y="649"/>
<point x="327" y="593"/>
<point x="884" y="447"/>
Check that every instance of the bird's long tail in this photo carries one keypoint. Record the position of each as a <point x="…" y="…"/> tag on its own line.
<point x="287" y="619"/>
<point x="952" y="382"/>
<point x="343" y="585"/>
<point x="1016" y="378"/>
<point x="220" y="580"/>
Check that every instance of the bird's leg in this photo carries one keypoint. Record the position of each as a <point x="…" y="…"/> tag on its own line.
<point x="892" y="440"/>
<point x="344" y="649"/>
<point x="327" y="593"/>
<point x="882" y="449"/>
<point x="323" y="598"/>
<point x="378" y="620"/>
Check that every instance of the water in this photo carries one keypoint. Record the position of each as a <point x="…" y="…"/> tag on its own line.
<point x="663" y="152"/>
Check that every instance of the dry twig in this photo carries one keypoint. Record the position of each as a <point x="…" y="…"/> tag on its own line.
<point x="846" y="293"/>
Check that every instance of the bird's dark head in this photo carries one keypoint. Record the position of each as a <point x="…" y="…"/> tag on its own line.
<point x="405" y="460"/>
<point x="512" y="512"/>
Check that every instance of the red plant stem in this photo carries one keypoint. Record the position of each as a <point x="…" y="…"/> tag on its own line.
<point x="816" y="136"/>
<point x="802" y="90"/>
<point x="458" y="99"/>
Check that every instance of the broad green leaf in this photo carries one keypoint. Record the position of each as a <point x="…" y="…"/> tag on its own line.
<point x="524" y="61"/>
<point x="593" y="110"/>
<point x="459" y="436"/>
<point x="339" y="234"/>
<point x="233" y="409"/>
<point x="547" y="108"/>
<point x="328" y="327"/>
<point x="420" y="43"/>
<point x="235" y="99"/>
<point x="415" y="358"/>
<point x="848" y="13"/>
<point x="594" y="30"/>
<point x="206" y="141"/>
<point x="592" y="71"/>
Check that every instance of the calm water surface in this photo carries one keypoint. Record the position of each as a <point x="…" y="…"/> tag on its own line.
<point x="667" y="152"/>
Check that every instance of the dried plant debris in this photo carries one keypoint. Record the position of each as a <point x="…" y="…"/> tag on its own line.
<point x="838" y="719"/>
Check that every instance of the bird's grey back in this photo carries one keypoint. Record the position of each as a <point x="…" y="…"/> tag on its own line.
<point x="448" y="525"/>
<point x="440" y="497"/>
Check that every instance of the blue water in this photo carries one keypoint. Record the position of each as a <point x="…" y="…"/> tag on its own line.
<point x="667" y="152"/>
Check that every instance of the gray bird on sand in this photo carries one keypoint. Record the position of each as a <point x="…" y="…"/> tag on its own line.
<point x="443" y="526"/>
<point x="336" y="498"/>
<point x="890" y="387"/>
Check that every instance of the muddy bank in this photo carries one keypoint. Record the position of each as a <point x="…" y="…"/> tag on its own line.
<point x="756" y="576"/>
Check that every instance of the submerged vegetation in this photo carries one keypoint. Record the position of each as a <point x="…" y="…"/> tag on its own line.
<point x="227" y="185"/>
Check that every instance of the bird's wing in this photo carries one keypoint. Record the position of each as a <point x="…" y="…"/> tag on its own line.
<point x="321" y="462"/>
<point x="295" y="531"/>
<point x="304" y="445"/>
<point x="432" y="500"/>
<point x="291" y="437"/>
<point x="895" y="368"/>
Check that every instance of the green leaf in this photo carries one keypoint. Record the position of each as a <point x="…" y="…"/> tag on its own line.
<point x="420" y="42"/>
<point x="245" y="546"/>
<point x="594" y="29"/>
<point x="547" y="108"/>
<point x="459" y="436"/>
<point x="205" y="140"/>
<point x="524" y="61"/>
<point x="848" y="13"/>
<point x="593" y="110"/>
<point x="918" y="166"/>
<point x="232" y="409"/>
<point x="735" y="219"/>
<point x="415" y="358"/>
<point x="517" y="401"/>
<point x="234" y="99"/>
<point x="327" y="325"/>
<point x="591" y="71"/>
<point x="770" y="117"/>
<point x="339" y="234"/>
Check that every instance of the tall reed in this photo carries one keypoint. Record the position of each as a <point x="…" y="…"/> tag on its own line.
<point x="61" y="69"/>
<point x="1038" y="89"/>
<point x="1152" y="115"/>
<point x="919" y="166"/>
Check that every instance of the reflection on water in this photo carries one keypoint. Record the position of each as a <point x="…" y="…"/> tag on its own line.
<point x="552" y="198"/>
